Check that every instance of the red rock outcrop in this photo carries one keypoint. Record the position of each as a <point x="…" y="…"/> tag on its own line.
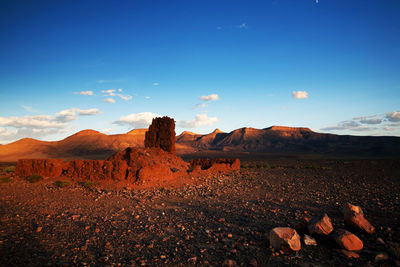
<point x="136" y="165"/>
<point x="161" y="134"/>
<point x="214" y="165"/>
<point x="157" y="162"/>
<point x="43" y="167"/>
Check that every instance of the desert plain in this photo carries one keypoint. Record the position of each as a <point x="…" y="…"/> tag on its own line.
<point x="215" y="219"/>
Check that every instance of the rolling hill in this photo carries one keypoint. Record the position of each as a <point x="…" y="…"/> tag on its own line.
<point x="90" y="144"/>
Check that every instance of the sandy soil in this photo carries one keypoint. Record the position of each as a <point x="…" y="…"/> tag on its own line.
<point x="206" y="221"/>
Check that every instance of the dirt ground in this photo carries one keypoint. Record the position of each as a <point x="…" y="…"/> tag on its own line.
<point x="218" y="220"/>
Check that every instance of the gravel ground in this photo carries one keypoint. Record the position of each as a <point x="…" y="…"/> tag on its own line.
<point x="218" y="220"/>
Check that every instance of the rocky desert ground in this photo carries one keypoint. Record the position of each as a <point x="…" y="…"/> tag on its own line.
<point x="213" y="220"/>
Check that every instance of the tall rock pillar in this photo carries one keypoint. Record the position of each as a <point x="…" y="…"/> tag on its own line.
<point x="161" y="134"/>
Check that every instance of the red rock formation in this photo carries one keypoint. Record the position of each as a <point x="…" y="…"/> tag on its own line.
<point x="140" y="165"/>
<point x="161" y="134"/>
<point x="43" y="167"/>
<point x="215" y="165"/>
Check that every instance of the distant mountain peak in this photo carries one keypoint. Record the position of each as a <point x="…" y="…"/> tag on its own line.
<point x="87" y="132"/>
<point x="189" y="133"/>
<point x="288" y="129"/>
<point x="216" y="131"/>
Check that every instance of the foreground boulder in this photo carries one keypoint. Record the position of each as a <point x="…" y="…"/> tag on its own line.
<point x="161" y="134"/>
<point x="285" y="238"/>
<point x="43" y="167"/>
<point x="347" y="240"/>
<point x="354" y="217"/>
<point x="320" y="225"/>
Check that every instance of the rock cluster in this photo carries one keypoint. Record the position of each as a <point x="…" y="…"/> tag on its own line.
<point x="156" y="162"/>
<point x="202" y="165"/>
<point x="285" y="238"/>
<point x="161" y="134"/>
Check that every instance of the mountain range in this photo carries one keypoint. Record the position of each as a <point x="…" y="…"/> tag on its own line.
<point x="91" y="144"/>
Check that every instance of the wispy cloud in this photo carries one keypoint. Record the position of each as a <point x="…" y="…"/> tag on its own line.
<point x="147" y="97"/>
<point x="156" y="84"/>
<point x="84" y="93"/>
<point x="199" y="120"/>
<point x="104" y="81"/>
<point x="243" y="26"/>
<point x="110" y="92"/>
<point x="109" y="100"/>
<point x="137" y="120"/>
<point x="393" y="116"/>
<point x="386" y="121"/>
<point x="106" y="130"/>
<point x="40" y="125"/>
<point x="299" y="94"/>
<point x="212" y="97"/>
<point x="29" y="109"/>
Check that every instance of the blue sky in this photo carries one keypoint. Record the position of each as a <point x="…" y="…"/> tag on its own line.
<point x="111" y="66"/>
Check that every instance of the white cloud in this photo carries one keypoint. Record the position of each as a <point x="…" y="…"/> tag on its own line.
<point x="40" y="125"/>
<point x="109" y="100"/>
<point x="156" y="84"/>
<point x="125" y="97"/>
<point x="104" y="81"/>
<point x="243" y="26"/>
<point x="106" y="130"/>
<point x="344" y="125"/>
<point x="84" y="93"/>
<point x="212" y="97"/>
<point x="110" y="92"/>
<point x="147" y="97"/>
<point x="371" y="121"/>
<point x="138" y="120"/>
<point x="119" y="90"/>
<point x="29" y="109"/>
<point x="300" y="94"/>
<point x="39" y="121"/>
<point x="200" y="120"/>
<point x="393" y="116"/>
<point x="88" y="112"/>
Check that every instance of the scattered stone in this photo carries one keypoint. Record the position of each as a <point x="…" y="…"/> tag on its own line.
<point x="309" y="241"/>
<point x="284" y="238"/>
<point x="39" y="229"/>
<point x="347" y="240"/>
<point x="381" y="257"/>
<point x="229" y="263"/>
<point x="380" y="241"/>
<point x="320" y="225"/>
<point x="350" y="254"/>
<point x="354" y="217"/>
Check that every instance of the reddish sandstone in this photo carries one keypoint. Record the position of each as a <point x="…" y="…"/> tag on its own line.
<point x="214" y="165"/>
<point x="43" y="167"/>
<point x="161" y="134"/>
